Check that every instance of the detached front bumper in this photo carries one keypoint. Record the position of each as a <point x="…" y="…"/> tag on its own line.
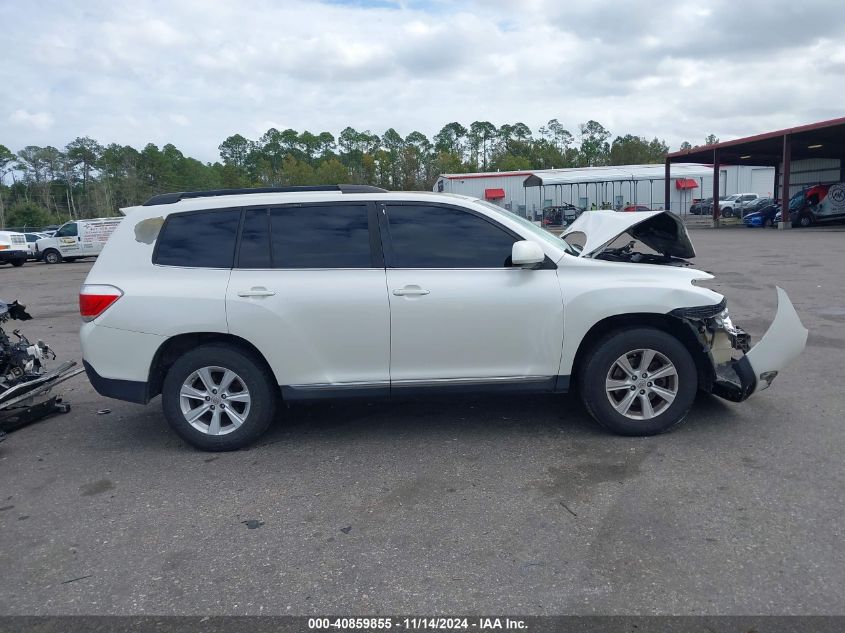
<point x="758" y="366"/>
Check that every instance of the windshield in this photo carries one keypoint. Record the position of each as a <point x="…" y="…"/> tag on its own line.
<point x="796" y="201"/>
<point x="532" y="228"/>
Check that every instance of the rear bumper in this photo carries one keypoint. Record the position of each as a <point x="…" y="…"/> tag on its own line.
<point x="117" y="361"/>
<point x="129" y="390"/>
<point x="11" y="256"/>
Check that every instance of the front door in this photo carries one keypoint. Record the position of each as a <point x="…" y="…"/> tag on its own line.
<point x="308" y="290"/>
<point x="459" y="312"/>
<point x="67" y="239"/>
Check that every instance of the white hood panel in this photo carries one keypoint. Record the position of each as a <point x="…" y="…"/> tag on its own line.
<point x="662" y="231"/>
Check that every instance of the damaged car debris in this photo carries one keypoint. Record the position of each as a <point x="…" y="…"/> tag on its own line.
<point x="25" y="380"/>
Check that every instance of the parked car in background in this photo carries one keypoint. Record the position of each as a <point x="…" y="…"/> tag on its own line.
<point x="560" y="215"/>
<point x="818" y="204"/>
<point x="13" y="249"/>
<point x="762" y="212"/>
<point x="77" y="239"/>
<point x="755" y="205"/>
<point x="701" y="207"/>
<point x="732" y="205"/>
<point x="31" y="239"/>
<point x="636" y="207"/>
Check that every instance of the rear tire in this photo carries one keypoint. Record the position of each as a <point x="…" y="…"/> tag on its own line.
<point x="211" y="414"/>
<point x="625" y="402"/>
<point x="52" y="256"/>
<point x="17" y="263"/>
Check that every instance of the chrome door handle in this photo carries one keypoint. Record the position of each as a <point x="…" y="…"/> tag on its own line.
<point x="411" y="291"/>
<point x="256" y="291"/>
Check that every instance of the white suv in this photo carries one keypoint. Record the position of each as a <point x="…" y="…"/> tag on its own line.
<point x="732" y="206"/>
<point x="227" y="302"/>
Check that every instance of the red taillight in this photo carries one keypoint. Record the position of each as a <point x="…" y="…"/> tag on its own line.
<point x="94" y="300"/>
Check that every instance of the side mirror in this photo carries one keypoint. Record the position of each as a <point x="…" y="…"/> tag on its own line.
<point x="527" y="254"/>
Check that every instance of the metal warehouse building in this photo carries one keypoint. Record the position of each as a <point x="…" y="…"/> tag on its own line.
<point x="812" y="154"/>
<point x="527" y="192"/>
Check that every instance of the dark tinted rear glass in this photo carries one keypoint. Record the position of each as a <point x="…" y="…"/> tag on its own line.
<point x="199" y="240"/>
<point x="320" y="236"/>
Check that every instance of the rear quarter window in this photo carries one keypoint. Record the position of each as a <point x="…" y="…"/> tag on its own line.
<point x="201" y="239"/>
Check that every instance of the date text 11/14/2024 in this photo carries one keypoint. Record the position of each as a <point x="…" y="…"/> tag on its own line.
<point x="418" y="623"/>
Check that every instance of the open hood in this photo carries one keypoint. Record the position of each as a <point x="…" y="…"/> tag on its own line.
<point x="661" y="231"/>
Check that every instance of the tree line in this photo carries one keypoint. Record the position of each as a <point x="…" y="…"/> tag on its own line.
<point x="46" y="185"/>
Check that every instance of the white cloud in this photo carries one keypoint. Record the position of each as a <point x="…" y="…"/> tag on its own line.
<point x="179" y="119"/>
<point x="37" y="120"/>
<point x="676" y="69"/>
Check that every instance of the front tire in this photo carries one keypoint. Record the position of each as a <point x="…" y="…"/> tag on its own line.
<point x="218" y="397"/>
<point x="805" y="221"/>
<point x="17" y="263"/>
<point x="52" y="256"/>
<point x="639" y="381"/>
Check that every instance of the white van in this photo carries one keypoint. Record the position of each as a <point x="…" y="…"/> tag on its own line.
<point x="80" y="238"/>
<point x="13" y="248"/>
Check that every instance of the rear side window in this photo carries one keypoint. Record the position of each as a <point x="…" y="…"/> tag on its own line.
<point x="199" y="240"/>
<point x="320" y="236"/>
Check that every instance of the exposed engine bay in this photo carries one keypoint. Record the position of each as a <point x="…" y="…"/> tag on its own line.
<point x="25" y="379"/>
<point x="726" y="345"/>
<point x="628" y="254"/>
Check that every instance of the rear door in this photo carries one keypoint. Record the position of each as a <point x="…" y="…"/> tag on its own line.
<point x="460" y="313"/>
<point x="308" y="290"/>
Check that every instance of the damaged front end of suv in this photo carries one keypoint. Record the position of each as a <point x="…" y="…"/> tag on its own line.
<point x="735" y="368"/>
<point x="740" y="369"/>
<point x="25" y="380"/>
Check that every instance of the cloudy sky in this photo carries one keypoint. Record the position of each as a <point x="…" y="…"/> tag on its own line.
<point x="193" y="72"/>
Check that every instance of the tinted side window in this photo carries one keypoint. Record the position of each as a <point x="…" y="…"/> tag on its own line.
<point x="424" y="236"/>
<point x="254" y="251"/>
<point x="320" y="236"/>
<point x="199" y="240"/>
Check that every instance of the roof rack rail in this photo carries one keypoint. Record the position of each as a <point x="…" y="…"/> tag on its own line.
<point x="171" y="198"/>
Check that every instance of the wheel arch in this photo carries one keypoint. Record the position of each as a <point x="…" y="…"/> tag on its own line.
<point x="677" y="327"/>
<point x="175" y="346"/>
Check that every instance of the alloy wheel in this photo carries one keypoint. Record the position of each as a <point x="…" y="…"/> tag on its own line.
<point x="215" y="400"/>
<point x="641" y="384"/>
